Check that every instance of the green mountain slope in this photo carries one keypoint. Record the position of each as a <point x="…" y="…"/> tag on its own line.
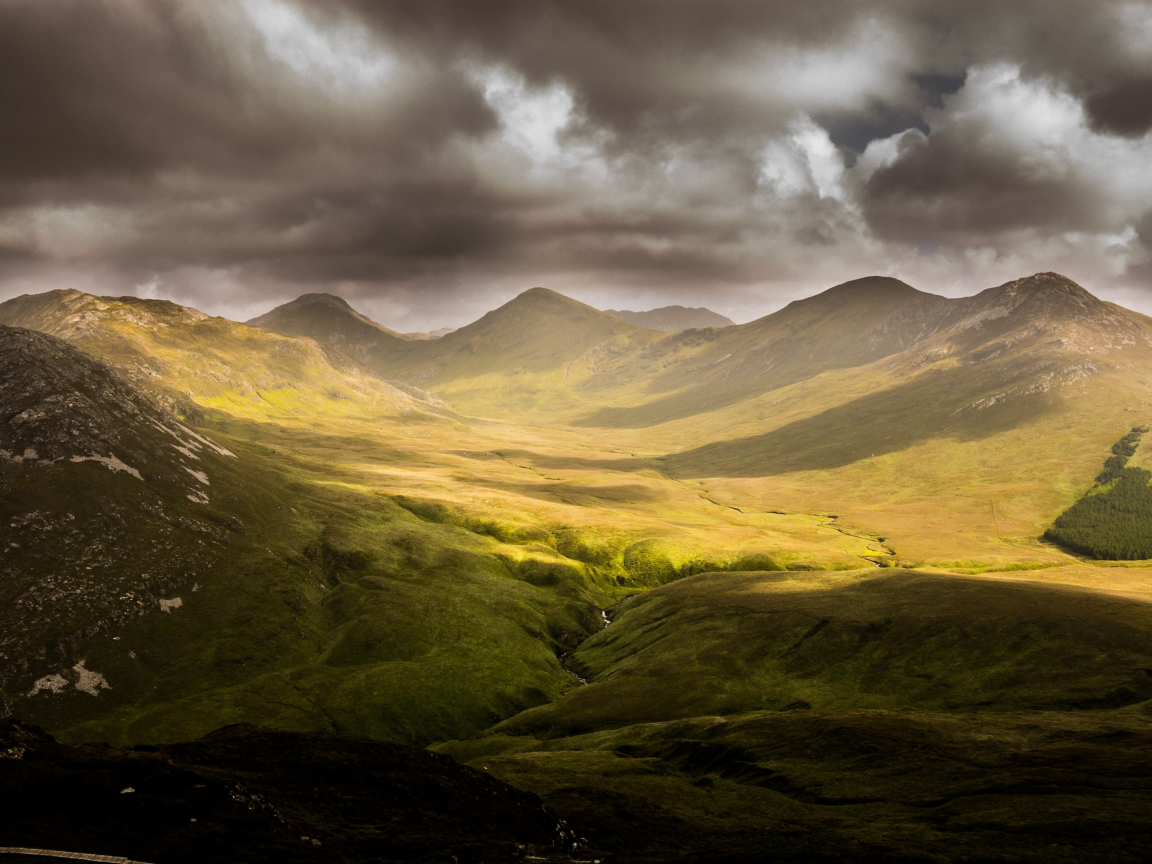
<point x="845" y="326"/>
<point x="518" y="358"/>
<point x="297" y="596"/>
<point x="1013" y="355"/>
<point x="531" y="354"/>
<point x="187" y="359"/>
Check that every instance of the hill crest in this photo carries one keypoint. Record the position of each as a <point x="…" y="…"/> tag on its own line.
<point x="673" y="319"/>
<point x="331" y="301"/>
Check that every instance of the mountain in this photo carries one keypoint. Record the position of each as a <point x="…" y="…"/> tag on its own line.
<point x="249" y="607"/>
<point x="704" y="592"/>
<point x="330" y="320"/>
<point x="109" y="505"/>
<point x="190" y="361"/>
<point x="532" y="353"/>
<point x="975" y="366"/>
<point x="846" y="326"/>
<point x="431" y="334"/>
<point x="672" y="319"/>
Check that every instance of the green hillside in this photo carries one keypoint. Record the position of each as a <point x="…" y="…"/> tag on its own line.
<point x="535" y="354"/>
<point x="901" y="715"/>
<point x="188" y="359"/>
<point x="722" y="644"/>
<point x="845" y="326"/>
<point x="818" y="538"/>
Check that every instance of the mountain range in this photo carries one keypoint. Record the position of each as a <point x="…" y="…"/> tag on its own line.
<point x="680" y="585"/>
<point x="671" y="319"/>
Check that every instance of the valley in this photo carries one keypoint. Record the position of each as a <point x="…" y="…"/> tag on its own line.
<point x="779" y="588"/>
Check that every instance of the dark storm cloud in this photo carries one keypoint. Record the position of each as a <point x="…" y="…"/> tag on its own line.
<point x="233" y="151"/>
<point x="1123" y="107"/>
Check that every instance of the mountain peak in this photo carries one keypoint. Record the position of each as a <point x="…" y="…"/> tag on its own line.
<point x="543" y="296"/>
<point x="537" y="302"/>
<point x="1049" y="284"/>
<point x="314" y="299"/>
<point x="328" y="299"/>
<point x="1046" y="295"/>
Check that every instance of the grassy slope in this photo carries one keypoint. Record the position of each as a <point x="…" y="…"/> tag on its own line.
<point x="530" y="356"/>
<point x="187" y="358"/>
<point x="883" y="639"/>
<point x="488" y="590"/>
<point x="704" y="370"/>
<point x="339" y="610"/>
<point x="542" y="524"/>
<point x="961" y="451"/>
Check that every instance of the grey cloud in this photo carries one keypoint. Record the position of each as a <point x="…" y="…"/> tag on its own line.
<point x="947" y="188"/>
<point x="1123" y="107"/>
<point x="169" y="140"/>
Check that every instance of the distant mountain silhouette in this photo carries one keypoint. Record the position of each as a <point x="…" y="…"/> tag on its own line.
<point x="672" y="319"/>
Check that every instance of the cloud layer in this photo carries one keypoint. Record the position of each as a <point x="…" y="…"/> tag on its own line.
<point x="428" y="159"/>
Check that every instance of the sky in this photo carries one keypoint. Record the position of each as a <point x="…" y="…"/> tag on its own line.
<point x="430" y="159"/>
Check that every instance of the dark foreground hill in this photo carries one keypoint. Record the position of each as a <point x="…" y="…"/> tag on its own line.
<point x="877" y="715"/>
<point x="257" y="795"/>
<point x="672" y="319"/>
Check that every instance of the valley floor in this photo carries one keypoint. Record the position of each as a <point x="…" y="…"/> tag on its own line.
<point x="774" y="682"/>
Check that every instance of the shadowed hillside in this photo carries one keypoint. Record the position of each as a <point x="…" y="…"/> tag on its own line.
<point x="862" y="716"/>
<point x="330" y="320"/>
<point x="108" y="503"/>
<point x="723" y="643"/>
